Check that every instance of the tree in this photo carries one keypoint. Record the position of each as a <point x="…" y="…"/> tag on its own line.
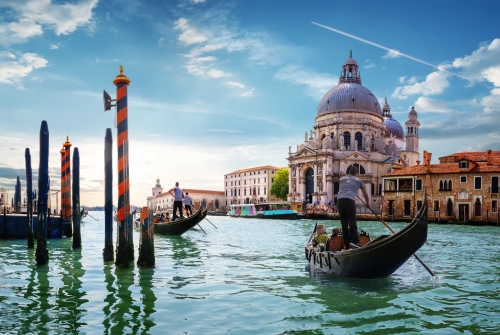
<point x="280" y="186"/>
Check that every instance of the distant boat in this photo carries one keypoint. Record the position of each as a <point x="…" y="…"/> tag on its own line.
<point x="377" y="258"/>
<point x="270" y="210"/>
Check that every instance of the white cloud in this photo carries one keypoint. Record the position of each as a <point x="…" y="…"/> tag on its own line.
<point x="317" y="83"/>
<point x="431" y="105"/>
<point x="369" y="66"/>
<point x="33" y="15"/>
<point x="198" y="1"/>
<point x="435" y="83"/>
<point x="54" y="46"/>
<point x="7" y="54"/>
<point x="11" y="72"/>
<point x="392" y="54"/>
<point x="216" y="73"/>
<point x="248" y="93"/>
<point x="189" y="35"/>
<point x="235" y="84"/>
<point x="402" y="79"/>
<point x="491" y="103"/>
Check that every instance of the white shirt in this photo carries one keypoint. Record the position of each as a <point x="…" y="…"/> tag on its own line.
<point x="187" y="200"/>
<point x="177" y="194"/>
<point x="349" y="186"/>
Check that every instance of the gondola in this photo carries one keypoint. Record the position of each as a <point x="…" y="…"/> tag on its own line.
<point x="180" y="226"/>
<point x="377" y="258"/>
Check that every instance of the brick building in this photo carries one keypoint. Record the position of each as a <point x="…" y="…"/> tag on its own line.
<point x="463" y="187"/>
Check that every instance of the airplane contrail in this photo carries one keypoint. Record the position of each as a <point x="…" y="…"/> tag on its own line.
<point x="380" y="46"/>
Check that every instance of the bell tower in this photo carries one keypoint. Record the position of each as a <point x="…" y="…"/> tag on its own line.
<point x="412" y="131"/>
<point x="350" y="71"/>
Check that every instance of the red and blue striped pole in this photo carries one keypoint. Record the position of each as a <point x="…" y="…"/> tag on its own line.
<point x="67" y="178"/>
<point x="63" y="184"/>
<point x="125" y="244"/>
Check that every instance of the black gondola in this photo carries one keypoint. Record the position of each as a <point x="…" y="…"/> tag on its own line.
<point x="378" y="258"/>
<point x="180" y="226"/>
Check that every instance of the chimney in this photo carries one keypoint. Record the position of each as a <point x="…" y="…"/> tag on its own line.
<point x="489" y="157"/>
<point x="428" y="161"/>
<point x="418" y="162"/>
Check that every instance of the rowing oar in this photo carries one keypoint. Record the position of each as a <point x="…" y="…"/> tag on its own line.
<point x="314" y="230"/>
<point x="93" y="217"/>
<point x="211" y="223"/>
<point x="392" y="231"/>
<point x="181" y="213"/>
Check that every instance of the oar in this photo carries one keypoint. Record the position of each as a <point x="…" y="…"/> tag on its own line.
<point x="392" y="231"/>
<point x="92" y="217"/>
<point x="314" y="230"/>
<point x="211" y="223"/>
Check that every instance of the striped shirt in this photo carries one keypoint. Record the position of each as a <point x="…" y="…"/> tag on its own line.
<point x="349" y="186"/>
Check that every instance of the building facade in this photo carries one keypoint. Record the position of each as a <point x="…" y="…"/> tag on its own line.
<point x="249" y="185"/>
<point x="350" y="128"/>
<point x="161" y="201"/>
<point x="463" y="187"/>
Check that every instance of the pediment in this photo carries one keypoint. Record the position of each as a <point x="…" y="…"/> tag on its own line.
<point x="357" y="155"/>
<point x="305" y="151"/>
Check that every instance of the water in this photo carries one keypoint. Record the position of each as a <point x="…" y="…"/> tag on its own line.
<point x="249" y="277"/>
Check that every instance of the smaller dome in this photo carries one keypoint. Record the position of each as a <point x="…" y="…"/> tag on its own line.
<point x="394" y="128"/>
<point x="413" y="111"/>
<point x="350" y="61"/>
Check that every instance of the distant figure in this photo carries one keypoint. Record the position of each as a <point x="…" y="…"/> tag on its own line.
<point x="187" y="204"/>
<point x="349" y="186"/>
<point x="177" y="201"/>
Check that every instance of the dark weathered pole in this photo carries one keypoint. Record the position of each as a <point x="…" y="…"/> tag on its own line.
<point x="42" y="254"/>
<point x="125" y="247"/>
<point x="77" y="237"/>
<point x="63" y="184"/>
<point x="108" y="197"/>
<point x="146" y="246"/>
<point x="29" y="191"/>
<point x="17" y="199"/>
<point x="67" y="178"/>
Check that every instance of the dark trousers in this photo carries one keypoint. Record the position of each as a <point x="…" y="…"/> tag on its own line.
<point x="347" y="212"/>
<point x="177" y="204"/>
<point x="188" y="209"/>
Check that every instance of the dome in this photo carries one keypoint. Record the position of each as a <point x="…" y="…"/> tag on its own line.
<point x="394" y="128"/>
<point x="350" y="61"/>
<point x="347" y="97"/>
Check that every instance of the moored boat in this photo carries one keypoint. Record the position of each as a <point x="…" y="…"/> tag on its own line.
<point x="263" y="211"/>
<point x="180" y="226"/>
<point x="377" y="258"/>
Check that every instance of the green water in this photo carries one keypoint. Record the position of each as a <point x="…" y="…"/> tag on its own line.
<point x="249" y="277"/>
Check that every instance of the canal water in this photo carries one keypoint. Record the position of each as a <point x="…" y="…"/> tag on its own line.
<point x="249" y="277"/>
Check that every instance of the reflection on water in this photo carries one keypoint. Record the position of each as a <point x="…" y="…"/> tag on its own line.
<point x="248" y="276"/>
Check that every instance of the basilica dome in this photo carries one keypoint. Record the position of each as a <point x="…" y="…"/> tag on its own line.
<point x="394" y="128"/>
<point x="349" y="97"/>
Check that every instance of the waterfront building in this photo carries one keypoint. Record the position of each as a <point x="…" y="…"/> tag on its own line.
<point x="351" y="128"/>
<point x="463" y="187"/>
<point x="163" y="201"/>
<point x="249" y="185"/>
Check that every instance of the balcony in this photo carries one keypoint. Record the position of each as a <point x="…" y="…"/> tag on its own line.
<point x="493" y="189"/>
<point x="403" y="189"/>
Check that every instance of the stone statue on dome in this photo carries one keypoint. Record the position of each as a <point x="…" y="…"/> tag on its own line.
<point x="341" y="139"/>
<point x="305" y="137"/>
<point x="327" y="142"/>
<point x="355" y="144"/>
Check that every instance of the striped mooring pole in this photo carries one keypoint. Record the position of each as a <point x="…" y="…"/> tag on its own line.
<point x="17" y="196"/>
<point x="42" y="254"/>
<point x="108" y="253"/>
<point x="67" y="182"/>
<point x="125" y="243"/>
<point x="146" y="246"/>
<point x="77" y="237"/>
<point x="63" y="184"/>
<point x="29" y="204"/>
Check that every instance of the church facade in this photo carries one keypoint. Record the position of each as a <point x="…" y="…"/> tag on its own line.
<point x="351" y="128"/>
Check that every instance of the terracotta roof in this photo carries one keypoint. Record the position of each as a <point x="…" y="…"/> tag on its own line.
<point x="189" y="190"/>
<point x="480" y="167"/>
<point x="265" y="167"/>
<point x="473" y="155"/>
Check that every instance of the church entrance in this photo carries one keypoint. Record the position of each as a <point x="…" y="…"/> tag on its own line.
<point x="309" y="184"/>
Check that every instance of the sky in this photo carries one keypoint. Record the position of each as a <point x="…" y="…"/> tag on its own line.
<point x="218" y="86"/>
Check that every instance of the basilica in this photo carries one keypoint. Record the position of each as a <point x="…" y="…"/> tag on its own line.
<point x="351" y="128"/>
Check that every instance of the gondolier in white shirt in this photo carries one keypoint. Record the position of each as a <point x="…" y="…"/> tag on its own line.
<point x="187" y="204"/>
<point x="178" y="195"/>
<point x="346" y="206"/>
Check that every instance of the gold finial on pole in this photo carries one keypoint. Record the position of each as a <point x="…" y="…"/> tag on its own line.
<point x="121" y="69"/>
<point x="350" y="53"/>
<point x="67" y="138"/>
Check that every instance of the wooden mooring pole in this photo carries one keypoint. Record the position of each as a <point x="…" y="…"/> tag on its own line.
<point x="67" y="186"/>
<point x="77" y="237"/>
<point x="146" y="244"/>
<point x="29" y="191"/>
<point x="108" y="253"/>
<point x="42" y="254"/>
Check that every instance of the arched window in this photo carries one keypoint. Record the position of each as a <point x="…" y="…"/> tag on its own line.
<point x="347" y="139"/>
<point x="445" y="184"/>
<point x="440" y="184"/>
<point x="373" y="189"/>
<point x="359" y="137"/>
<point x="361" y="169"/>
<point x="216" y="203"/>
<point x="449" y="185"/>
<point x="336" y="187"/>
<point x="477" y="207"/>
<point x="449" y="207"/>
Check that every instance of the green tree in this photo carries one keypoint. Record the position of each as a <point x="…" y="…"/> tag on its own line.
<point x="280" y="186"/>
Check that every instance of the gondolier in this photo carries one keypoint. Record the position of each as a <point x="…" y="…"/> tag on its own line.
<point x="187" y="204"/>
<point x="346" y="206"/>
<point x="178" y="195"/>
